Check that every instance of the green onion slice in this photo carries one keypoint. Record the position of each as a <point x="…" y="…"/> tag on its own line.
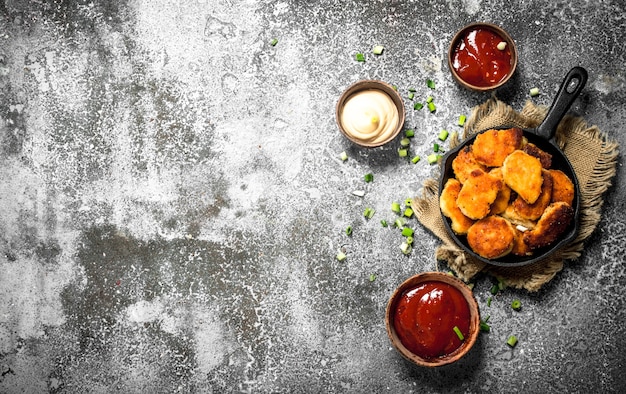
<point x="430" y="83"/>
<point x="443" y="134"/>
<point x="458" y="332"/>
<point x="512" y="341"/>
<point x="415" y="159"/>
<point x="349" y="230"/>
<point x="369" y="177"/>
<point x="418" y="106"/>
<point x="462" y="119"/>
<point x="410" y="133"/>
<point x="274" y="42"/>
<point x="407" y="231"/>
<point x="360" y="57"/>
<point x="516" y="305"/>
<point x="378" y="49"/>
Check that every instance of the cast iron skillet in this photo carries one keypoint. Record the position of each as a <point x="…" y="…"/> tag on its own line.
<point x="543" y="137"/>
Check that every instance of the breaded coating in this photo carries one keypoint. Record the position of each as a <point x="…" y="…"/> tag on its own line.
<point x="562" y="187"/>
<point x="460" y="223"/>
<point x="523" y="173"/>
<point x="464" y="163"/>
<point x="533" y="211"/>
<point x="493" y="146"/>
<point x="478" y="193"/>
<point x="544" y="157"/>
<point x="519" y="246"/>
<point x="550" y="226"/>
<point x="504" y="195"/>
<point x="491" y="237"/>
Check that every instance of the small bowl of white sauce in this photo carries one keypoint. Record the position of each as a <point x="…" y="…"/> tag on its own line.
<point x="370" y="113"/>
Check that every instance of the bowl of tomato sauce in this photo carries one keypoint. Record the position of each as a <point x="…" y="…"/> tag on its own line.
<point x="432" y="319"/>
<point x="482" y="56"/>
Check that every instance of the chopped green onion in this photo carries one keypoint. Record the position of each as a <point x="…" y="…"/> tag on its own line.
<point x="415" y="159"/>
<point x="343" y="156"/>
<point x="341" y="256"/>
<point x="501" y="284"/>
<point x="486" y="319"/>
<point x="436" y="147"/>
<point x="501" y="45"/>
<point x="429" y="99"/>
<point x="443" y="134"/>
<point x="405" y="142"/>
<point x="432" y="158"/>
<point x="274" y="42"/>
<point x="407" y="201"/>
<point x="410" y="133"/>
<point x="408" y="212"/>
<point x="411" y="95"/>
<point x="430" y="83"/>
<point x="369" y="177"/>
<point x="407" y="232"/>
<point x="516" y="305"/>
<point x="394" y="87"/>
<point x="399" y="222"/>
<point x="489" y="299"/>
<point x="512" y="341"/>
<point x="418" y="106"/>
<point x="369" y="212"/>
<point x="534" y="92"/>
<point x="378" y="49"/>
<point x="495" y="289"/>
<point x="462" y="119"/>
<point x="360" y="57"/>
<point x="412" y="90"/>
<point x="372" y="277"/>
<point x="406" y="248"/>
<point x="383" y="223"/>
<point x="409" y="240"/>
<point x="349" y="230"/>
<point x="484" y="326"/>
<point x="432" y="107"/>
<point x="458" y="332"/>
<point x="403" y="152"/>
<point x="395" y="207"/>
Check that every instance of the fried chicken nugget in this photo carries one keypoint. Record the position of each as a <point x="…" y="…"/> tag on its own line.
<point x="504" y="195"/>
<point x="519" y="246"/>
<point x="523" y="174"/>
<point x="460" y="223"/>
<point x="493" y="146"/>
<point x="550" y="226"/>
<point x="562" y="187"/>
<point x="491" y="237"/>
<point x="478" y="193"/>
<point x="512" y="216"/>
<point x="464" y="163"/>
<point x="533" y="211"/>
<point x="544" y="157"/>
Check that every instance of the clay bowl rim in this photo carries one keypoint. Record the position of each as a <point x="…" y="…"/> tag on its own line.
<point x="367" y="84"/>
<point x="500" y="31"/>
<point x="469" y="341"/>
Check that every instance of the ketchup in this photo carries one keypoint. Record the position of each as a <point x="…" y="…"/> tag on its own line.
<point x="477" y="59"/>
<point x="425" y="317"/>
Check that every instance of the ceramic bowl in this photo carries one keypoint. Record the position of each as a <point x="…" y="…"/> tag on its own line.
<point x="474" y="319"/>
<point x="370" y="85"/>
<point x="461" y="34"/>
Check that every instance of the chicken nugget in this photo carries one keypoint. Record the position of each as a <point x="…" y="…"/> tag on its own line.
<point x="523" y="174"/>
<point x="512" y="216"/>
<point x="493" y="146"/>
<point x="519" y="246"/>
<point x="504" y="195"/>
<point x="447" y="202"/>
<point x="544" y="157"/>
<point x="477" y="194"/>
<point x="562" y="187"/>
<point x="491" y="237"/>
<point x="464" y="163"/>
<point x="533" y="211"/>
<point x="550" y="226"/>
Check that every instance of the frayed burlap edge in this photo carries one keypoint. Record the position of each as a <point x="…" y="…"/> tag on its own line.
<point x="597" y="178"/>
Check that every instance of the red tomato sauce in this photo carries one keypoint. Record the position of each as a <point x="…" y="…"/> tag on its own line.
<point x="477" y="59"/>
<point x="425" y="317"/>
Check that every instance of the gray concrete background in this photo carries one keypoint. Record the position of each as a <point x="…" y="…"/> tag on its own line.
<point x="172" y="198"/>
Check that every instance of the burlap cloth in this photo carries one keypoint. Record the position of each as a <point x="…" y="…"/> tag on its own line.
<point x="594" y="159"/>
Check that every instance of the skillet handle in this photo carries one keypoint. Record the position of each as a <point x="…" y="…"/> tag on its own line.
<point x="571" y="87"/>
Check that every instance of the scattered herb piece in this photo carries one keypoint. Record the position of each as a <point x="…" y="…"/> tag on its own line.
<point x="405" y="247"/>
<point x="430" y="83"/>
<point x="512" y="341"/>
<point x="501" y="45"/>
<point x="360" y="57"/>
<point x="411" y="95"/>
<point x="400" y="222"/>
<point x="403" y="152"/>
<point x="534" y="92"/>
<point x="418" y="106"/>
<point x="410" y="133"/>
<point x="432" y="107"/>
<point x="409" y="240"/>
<point x="383" y="223"/>
<point x="407" y="202"/>
<point x="462" y="119"/>
<point x="443" y="135"/>
<point x="435" y="147"/>
<point x="378" y="49"/>
<point x="484" y="326"/>
<point x="341" y="256"/>
<point x="274" y="42"/>
<point x="349" y="230"/>
<point x="408" y="212"/>
<point x="405" y="142"/>
<point x="394" y="87"/>
<point x="343" y="156"/>
<point x="372" y="277"/>
<point x="432" y="158"/>
<point x="395" y="207"/>
<point x="369" y="212"/>
<point x="369" y="177"/>
<point x="494" y="289"/>
<point x="489" y="299"/>
<point x="516" y="305"/>
<point x="458" y="333"/>
<point x="407" y="232"/>
<point x="429" y="99"/>
<point x="415" y="159"/>
<point x="412" y="90"/>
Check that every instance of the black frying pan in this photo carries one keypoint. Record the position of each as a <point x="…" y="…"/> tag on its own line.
<point x="543" y="137"/>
